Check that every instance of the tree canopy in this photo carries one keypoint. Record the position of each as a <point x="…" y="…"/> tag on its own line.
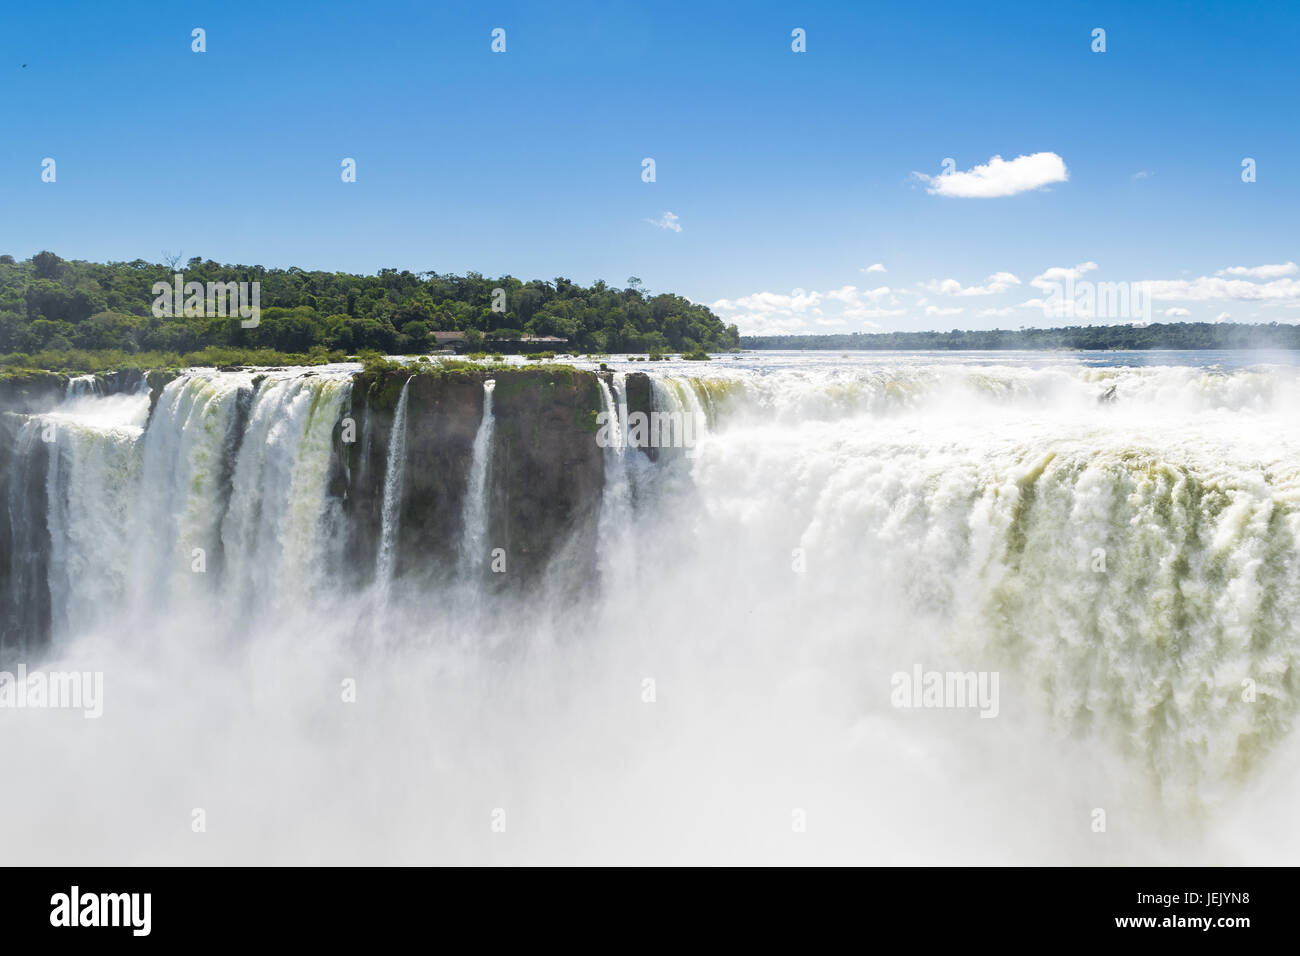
<point x="49" y="304"/>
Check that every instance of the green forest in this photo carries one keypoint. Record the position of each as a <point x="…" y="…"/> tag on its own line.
<point x="1178" y="335"/>
<point x="71" y="314"/>
<point x="60" y="313"/>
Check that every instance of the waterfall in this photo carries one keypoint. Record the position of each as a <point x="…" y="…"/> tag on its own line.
<point x="281" y="521"/>
<point x="80" y="386"/>
<point x="391" y="512"/>
<point x="692" y="407"/>
<point x="614" y="527"/>
<point x="188" y="447"/>
<point x="92" y="474"/>
<point x="211" y="500"/>
<point x="474" y="521"/>
<point x="678" y="398"/>
<point x="1130" y="568"/>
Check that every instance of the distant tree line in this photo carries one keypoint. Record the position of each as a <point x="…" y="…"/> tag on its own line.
<point x="51" y="305"/>
<point x="1178" y="335"/>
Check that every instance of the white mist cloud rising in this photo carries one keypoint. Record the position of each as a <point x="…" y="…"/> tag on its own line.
<point x="999" y="177"/>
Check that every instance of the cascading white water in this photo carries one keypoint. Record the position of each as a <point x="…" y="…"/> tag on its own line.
<point x="1129" y="565"/>
<point x="179" y="498"/>
<point x="614" y="526"/>
<point x="80" y="386"/>
<point x="93" y="469"/>
<point x="139" y="520"/>
<point x="386" y="560"/>
<point x="281" y="521"/>
<point x="474" y="518"/>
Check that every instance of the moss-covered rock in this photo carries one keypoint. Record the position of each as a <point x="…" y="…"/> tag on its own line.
<point x="31" y="390"/>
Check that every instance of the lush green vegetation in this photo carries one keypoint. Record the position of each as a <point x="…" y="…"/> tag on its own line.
<point x="85" y="315"/>
<point x="83" y="361"/>
<point x="1178" y="335"/>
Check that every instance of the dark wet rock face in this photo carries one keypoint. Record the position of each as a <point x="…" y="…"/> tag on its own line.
<point x="640" y="398"/>
<point x="545" y="472"/>
<point x="24" y="540"/>
<point x="548" y="471"/>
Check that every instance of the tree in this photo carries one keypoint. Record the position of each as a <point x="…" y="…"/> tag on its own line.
<point x="46" y="265"/>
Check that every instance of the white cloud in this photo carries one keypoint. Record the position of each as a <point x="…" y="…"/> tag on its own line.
<point x="1212" y="287"/>
<point x="852" y="294"/>
<point x="994" y="313"/>
<point x="1058" y="274"/>
<point x="1143" y="174"/>
<point x="875" y="267"/>
<point x="1223" y="317"/>
<point x="1261" y="272"/>
<point x="862" y="304"/>
<point x="999" y="177"/>
<point x="767" y="313"/>
<point x="997" y="283"/>
<point x="937" y="310"/>
<point x="1177" y="312"/>
<point x="770" y="313"/>
<point x="667" y="221"/>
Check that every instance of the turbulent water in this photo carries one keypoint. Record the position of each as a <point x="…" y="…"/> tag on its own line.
<point x="1119" y="544"/>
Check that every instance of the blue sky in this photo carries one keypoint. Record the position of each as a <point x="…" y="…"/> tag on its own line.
<point x="789" y="174"/>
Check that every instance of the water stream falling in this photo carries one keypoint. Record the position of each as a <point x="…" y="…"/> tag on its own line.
<point x="474" y="521"/>
<point x="393" y="476"/>
<point x="614" y="535"/>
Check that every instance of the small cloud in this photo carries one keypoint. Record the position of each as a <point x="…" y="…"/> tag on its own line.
<point x="1180" y="313"/>
<point x="1142" y="174"/>
<point x="1261" y="272"/>
<point x="995" y="284"/>
<point x="937" y="310"/>
<point x="1223" y="317"/>
<point x="667" y="221"/>
<point x="875" y="267"/>
<point x="1058" y="274"/>
<point x="998" y="177"/>
<point x="995" y="313"/>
